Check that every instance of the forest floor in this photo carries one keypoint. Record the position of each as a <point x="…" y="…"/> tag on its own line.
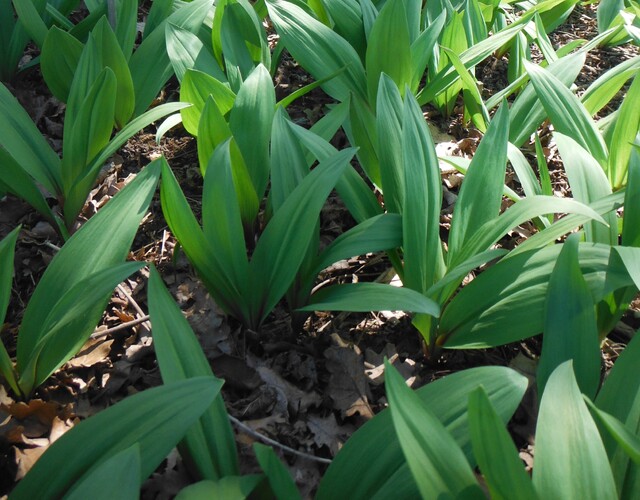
<point x="308" y="389"/>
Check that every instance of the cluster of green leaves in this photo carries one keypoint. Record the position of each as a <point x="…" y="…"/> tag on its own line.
<point x="381" y="60"/>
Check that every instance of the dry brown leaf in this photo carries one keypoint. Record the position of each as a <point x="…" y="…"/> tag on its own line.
<point x="93" y="352"/>
<point x="348" y="385"/>
<point x="327" y="432"/>
<point x="25" y="459"/>
<point x="296" y="399"/>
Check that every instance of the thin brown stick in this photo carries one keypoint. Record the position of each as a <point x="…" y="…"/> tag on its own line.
<point x="248" y="430"/>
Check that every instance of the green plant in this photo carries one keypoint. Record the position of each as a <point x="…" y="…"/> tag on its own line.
<point x="28" y="162"/>
<point x="74" y="290"/>
<point x="476" y="226"/>
<point x="140" y="430"/>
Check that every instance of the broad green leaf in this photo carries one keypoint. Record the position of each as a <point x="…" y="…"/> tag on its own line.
<point x="67" y="326"/>
<point x="365" y="297"/>
<point x="187" y="52"/>
<point x="150" y="64"/>
<point x="454" y="38"/>
<point x="59" y="60"/>
<point x="571" y="461"/>
<point x="185" y="227"/>
<point x="29" y="12"/>
<point x="250" y="121"/>
<point x="527" y="114"/>
<point x="481" y="193"/>
<point x="221" y="219"/>
<point x="624" y="133"/>
<point x="526" y="209"/>
<point x="505" y="303"/>
<point x="381" y="232"/>
<point x="620" y="398"/>
<point x="437" y="463"/>
<point x="631" y="220"/>
<point x="318" y="49"/>
<point x="195" y="89"/>
<point x="470" y="57"/>
<point x="422" y="49"/>
<point x="283" y="244"/>
<point x="7" y="247"/>
<point x="626" y="438"/>
<point x="609" y="84"/>
<point x="18" y="181"/>
<point x="126" y="29"/>
<point x="213" y="130"/>
<point x="348" y="23"/>
<point x="156" y="419"/>
<point x="422" y="202"/>
<point x="495" y="452"/>
<point x="90" y="134"/>
<point x="607" y="12"/>
<point x="570" y="329"/>
<point x="23" y="141"/>
<point x="588" y="184"/>
<point x="280" y="480"/>
<point x="77" y="196"/>
<point x="102" y="242"/>
<point x="229" y="488"/>
<point x="122" y="469"/>
<point x="389" y="143"/>
<point x="523" y="170"/>
<point x="566" y="112"/>
<point x="112" y="57"/>
<point x="389" y="48"/>
<point x="372" y="460"/>
<point x="210" y="443"/>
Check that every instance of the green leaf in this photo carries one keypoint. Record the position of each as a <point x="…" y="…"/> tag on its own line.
<point x="23" y="141"/>
<point x="570" y="330"/>
<point x="495" y="452"/>
<point x="221" y="219"/>
<point x="505" y="303"/>
<point x="122" y="469"/>
<point x="278" y="476"/>
<point x="18" y="181"/>
<point x="101" y="243"/>
<point x="422" y="49"/>
<point x="156" y="419"/>
<point x="625" y="131"/>
<point x="318" y="49"/>
<point x="7" y="248"/>
<point x="422" y="201"/>
<point x="187" y="52"/>
<point x="389" y="143"/>
<point x="381" y="232"/>
<point x="229" y="488"/>
<point x="609" y="84"/>
<point x="196" y="88"/>
<point x="365" y="297"/>
<point x="67" y="326"/>
<point x="185" y="227"/>
<point x="90" y="133"/>
<point x="437" y="463"/>
<point x="77" y="195"/>
<point x="372" y="461"/>
<point x="620" y="398"/>
<point x="210" y="443"/>
<point x="571" y="461"/>
<point x="283" y="244"/>
<point x="150" y="65"/>
<point x="58" y="61"/>
<point x="250" y="122"/>
<point x="588" y="184"/>
<point x="566" y="112"/>
<point x="389" y="48"/>
<point x="481" y="193"/>
<point x="29" y="12"/>
<point x="112" y="57"/>
<point x="625" y="437"/>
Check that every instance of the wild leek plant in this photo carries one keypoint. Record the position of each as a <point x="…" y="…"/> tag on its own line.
<point x="73" y="292"/>
<point x="28" y="161"/>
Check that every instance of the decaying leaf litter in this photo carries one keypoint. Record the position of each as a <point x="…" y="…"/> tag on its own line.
<point x="307" y="390"/>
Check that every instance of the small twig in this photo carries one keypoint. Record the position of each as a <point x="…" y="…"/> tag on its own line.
<point x="121" y="326"/>
<point x="262" y="437"/>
